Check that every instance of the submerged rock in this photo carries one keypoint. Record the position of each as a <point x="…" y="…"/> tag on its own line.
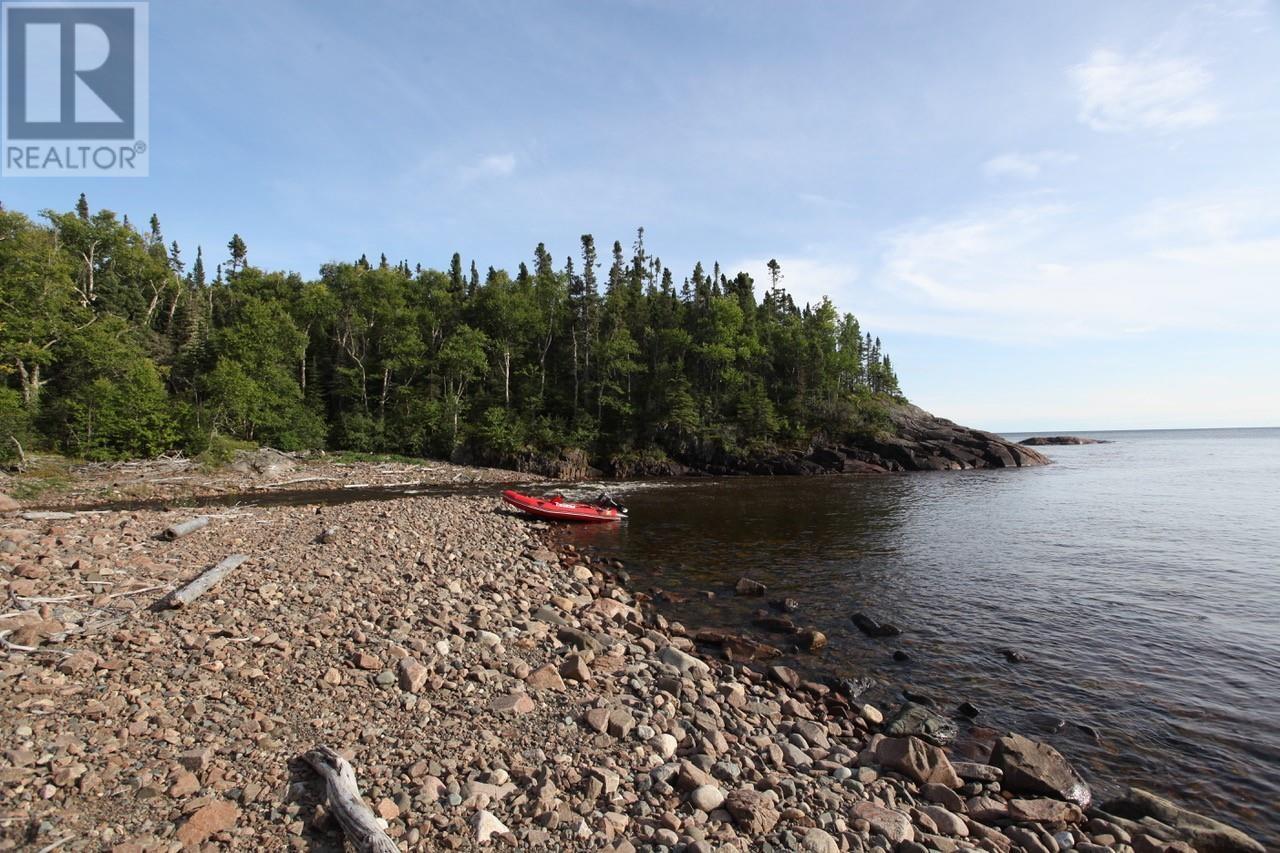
<point x="872" y="628"/>
<point x="915" y="719"/>
<point x="1203" y="833"/>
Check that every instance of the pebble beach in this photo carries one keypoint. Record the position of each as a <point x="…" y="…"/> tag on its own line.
<point x="488" y="687"/>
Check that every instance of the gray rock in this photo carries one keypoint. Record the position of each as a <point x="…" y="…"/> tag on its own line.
<point x="915" y="719"/>
<point x="1037" y="768"/>
<point x="683" y="661"/>
<point x="706" y="798"/>
<point x="1205" y="834"/>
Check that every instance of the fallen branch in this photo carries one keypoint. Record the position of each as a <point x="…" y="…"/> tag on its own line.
<point x="14" y="647"/>
<point x="177" y="531"/>
<point x="297" y="481"/>
<point x="202" y="584"/>
<point x="50" y="599"/>
<point x="144" y="589"/>
<point x="353" y="814"/>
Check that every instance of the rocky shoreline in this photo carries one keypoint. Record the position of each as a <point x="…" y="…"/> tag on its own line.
<point x="913" y="440"/>
<point x="489" y="689"/>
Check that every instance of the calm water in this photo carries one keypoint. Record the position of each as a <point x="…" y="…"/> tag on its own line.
<point x="1141" y="578"/>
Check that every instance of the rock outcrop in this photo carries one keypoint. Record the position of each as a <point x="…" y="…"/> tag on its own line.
<point x="1046" y="440"/>
<point x="915" y="441"/>
<point x="1203" y="833"/>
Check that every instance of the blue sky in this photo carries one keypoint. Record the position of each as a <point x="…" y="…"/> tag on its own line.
<point x="1054" y="215"/>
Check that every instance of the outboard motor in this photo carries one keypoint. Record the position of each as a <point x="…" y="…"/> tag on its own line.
<point x="607" y="501"/>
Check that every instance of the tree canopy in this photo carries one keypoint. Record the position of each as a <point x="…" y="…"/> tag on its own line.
<point x="110" y="346"/>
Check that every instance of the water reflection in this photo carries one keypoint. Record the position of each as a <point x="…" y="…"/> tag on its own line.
<point x="1118" y="574"/>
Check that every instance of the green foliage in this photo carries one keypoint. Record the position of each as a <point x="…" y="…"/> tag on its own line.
<point x="15" y="428"/>
<point x="110" y="347"/>
<point x="222" y="449"/>
<point x="120" y="417"/>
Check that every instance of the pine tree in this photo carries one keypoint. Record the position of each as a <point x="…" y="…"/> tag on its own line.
<point x="239" y="252"/>
<point x="82" y="208"/>
<point x="456" y="284"/>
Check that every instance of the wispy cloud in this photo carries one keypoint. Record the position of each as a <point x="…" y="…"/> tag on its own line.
<point x="1038" y="273"/>
<point x="822" y="201"/>
<point x="493" y="166"/>
<point x="1025" y="166"/>
<point x="1143" y="92"/>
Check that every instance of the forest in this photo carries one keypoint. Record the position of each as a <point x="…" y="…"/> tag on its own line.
<point x="113" y="344"/>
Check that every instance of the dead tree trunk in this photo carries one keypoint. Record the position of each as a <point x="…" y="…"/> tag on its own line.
<point x="202" y="584"/>
<point x="177" y="531"/>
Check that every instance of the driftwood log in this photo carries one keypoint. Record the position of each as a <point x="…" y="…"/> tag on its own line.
<point x="202" y="584"/>
<point x="356" y="818"/>
<point x="177" y="531"/>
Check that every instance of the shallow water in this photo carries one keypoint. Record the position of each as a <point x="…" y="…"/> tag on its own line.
<point x="1141" y="579"/>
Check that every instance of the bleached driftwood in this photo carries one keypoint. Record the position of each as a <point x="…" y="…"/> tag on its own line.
<point x="298" y="481"/>
<point x="177" y="531"/>
<point x="353" y="814"/>
<point x="44" y="515"/>
<point x="202" y="584"/>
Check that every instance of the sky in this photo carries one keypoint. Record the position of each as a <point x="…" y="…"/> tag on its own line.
<point x="1054" y="215"/>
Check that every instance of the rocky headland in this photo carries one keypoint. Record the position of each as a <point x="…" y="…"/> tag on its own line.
<point x="912" y="440"/>
<point x="487" y="687"/>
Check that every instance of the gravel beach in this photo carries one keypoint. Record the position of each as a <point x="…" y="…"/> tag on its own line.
<point x="486" y="688"/>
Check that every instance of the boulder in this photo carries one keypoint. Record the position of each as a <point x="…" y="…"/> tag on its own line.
<point x="683" y="661"/>
<point x="817" y="840"/>
<point x="894" y="826"/>
<point x="1045" y="811"/>
<point x="920" y="762"/>
<point x="1031" y="767"/>
<point x="263" y="461"/>
<point x="8" y="504"/>
<point x="916" y="719"/>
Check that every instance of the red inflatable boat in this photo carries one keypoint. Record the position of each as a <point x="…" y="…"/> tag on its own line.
<point x="556" y="508"/>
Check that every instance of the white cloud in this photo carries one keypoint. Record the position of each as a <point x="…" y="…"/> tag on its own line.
<point x="1025" y="166"/>
<point x="493" y="166"/>
<point x="1145" y="92"/>
<point x="819" y="200"/>
<point x="806" y="279"/>
<point x="1045" y="272"/>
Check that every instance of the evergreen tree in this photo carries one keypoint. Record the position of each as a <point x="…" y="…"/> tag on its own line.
<point x="239" y="252"/>
<point x="111" y="346"/>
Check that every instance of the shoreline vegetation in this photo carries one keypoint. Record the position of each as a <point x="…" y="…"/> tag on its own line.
<point x="487" y="685"/>
<point x="115" y="345"/>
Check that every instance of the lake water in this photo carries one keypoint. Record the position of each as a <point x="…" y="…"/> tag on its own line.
<point x="1140" y="578"/>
